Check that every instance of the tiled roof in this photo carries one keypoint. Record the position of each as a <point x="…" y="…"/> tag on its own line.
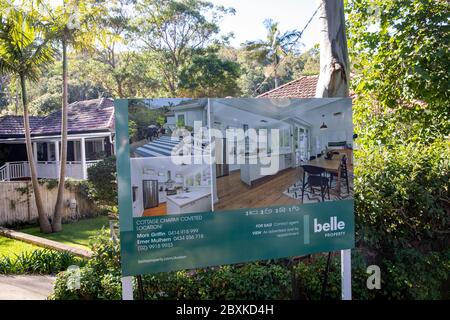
<point x="13" y="125"/>
<point x="303" y="87"/>
<point x="83" y="116"/>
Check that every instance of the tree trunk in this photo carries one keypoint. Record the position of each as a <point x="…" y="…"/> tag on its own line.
<point x="59" y="206"/>
<point x="334" y="65"/>
<point x="275" y="76"/>
<point x="44" y="223"/>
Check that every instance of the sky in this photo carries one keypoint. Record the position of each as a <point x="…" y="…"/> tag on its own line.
<point x="247" y="23"/>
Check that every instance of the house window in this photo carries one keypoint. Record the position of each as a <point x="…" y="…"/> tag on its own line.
<point x="41" y="151"/>
<point x="94" y="149"/>
<point x="181" y="120"/>
<point x="51" y="152"/>
<point x="285" y="137"/>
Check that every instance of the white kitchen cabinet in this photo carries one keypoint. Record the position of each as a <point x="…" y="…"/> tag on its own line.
<point x="187" y="202"/>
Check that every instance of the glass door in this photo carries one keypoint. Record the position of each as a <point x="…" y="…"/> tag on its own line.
<point x="302" y="150"/>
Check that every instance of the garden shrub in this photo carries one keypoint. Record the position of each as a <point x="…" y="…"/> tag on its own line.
<point x="101" y="278"/>
<point x="409" y="275"/>
<point x="402" y="196"/>
<point x="39" y="261"/>
<point x="102" y="181"/>
<point x="249" y="281"/>
<point x="415" y="276"/>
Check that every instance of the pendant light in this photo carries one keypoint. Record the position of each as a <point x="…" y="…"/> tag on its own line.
<point x="323" y="126"/>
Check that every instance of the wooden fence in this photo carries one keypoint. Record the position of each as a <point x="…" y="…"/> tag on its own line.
<point x="17" y="203"/>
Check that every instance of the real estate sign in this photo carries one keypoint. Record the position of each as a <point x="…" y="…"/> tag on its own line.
<point x="197" y="187"/>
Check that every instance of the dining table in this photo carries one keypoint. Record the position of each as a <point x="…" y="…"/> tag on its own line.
<point x="330" y="165"/>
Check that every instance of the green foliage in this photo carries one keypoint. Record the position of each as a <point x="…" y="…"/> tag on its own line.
<point x="24" y="45"/>
<point x="209" y="76"/>
<point x="310" y="275"/>
<point x="403" y="196"/>
<point x="142" y="117"/>
<point x="38" y="261"/>
<point x="412" y="275"/>
<point x="249" y="281"/>
<point x="99" y="278"/>
<point x="402" y="119"/>
<point x="175" y="32"/>
<point x="102" y="181"/>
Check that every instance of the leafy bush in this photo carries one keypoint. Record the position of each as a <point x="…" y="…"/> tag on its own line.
<point x="409" y="275"/>
<point x="249" y="281"/>
<point x="99" y="278"/>
<point x="412" y="275"/>
<point x="102" y="181"/>
<point x="403" y="195"/>
<point x="39" y="261"/>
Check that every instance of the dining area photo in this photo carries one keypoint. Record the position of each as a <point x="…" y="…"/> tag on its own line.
<point x="326" y="176"/>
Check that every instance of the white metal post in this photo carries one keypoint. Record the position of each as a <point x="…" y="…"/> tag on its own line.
<point x="8" y="172"/>
<point x="35" y="151"/>
<point x="83" y="158"/>
<point x="346" y="274"/>
<point x="127" y="288"/>
<point x="57" y="152"/>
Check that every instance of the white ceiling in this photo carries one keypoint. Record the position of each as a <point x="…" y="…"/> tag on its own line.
<point x="250" y="111"/>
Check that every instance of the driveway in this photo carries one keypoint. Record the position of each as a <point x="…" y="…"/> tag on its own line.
<point x="26" y="287"/>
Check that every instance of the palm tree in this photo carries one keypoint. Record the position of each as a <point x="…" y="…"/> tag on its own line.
<point x="273" y="48"/>
<point x="23" y="51"/>
<point x="74" y="28"/>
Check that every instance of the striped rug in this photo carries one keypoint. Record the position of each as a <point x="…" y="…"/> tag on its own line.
<point x="295" y="191"/>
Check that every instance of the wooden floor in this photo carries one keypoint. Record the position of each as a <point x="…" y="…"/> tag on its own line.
<point x="156" y="211"/>
<point x="234" y="194"/>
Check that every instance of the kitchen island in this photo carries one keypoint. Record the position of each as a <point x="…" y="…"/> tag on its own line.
<point x="187" y="202"/>
<point x="252" y="172"/>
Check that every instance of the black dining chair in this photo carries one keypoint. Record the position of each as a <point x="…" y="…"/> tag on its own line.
<point x="316" y="179"/>
<point x="344" y="173"/>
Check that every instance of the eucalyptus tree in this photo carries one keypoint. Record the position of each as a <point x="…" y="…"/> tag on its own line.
<point x="334" y="73"/>
<point x="272" y="49"/>
<point x="175" y="31"/>
<point x="24" y="50"/>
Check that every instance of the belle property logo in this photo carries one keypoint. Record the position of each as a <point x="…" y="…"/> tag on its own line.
<point x="333" y="228"/>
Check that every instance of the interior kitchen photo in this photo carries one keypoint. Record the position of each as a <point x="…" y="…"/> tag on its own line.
<point x="312" y="133"/>
<point x="161" y="186"/>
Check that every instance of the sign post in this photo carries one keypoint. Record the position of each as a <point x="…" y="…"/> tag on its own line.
<point x="346" y="274"/>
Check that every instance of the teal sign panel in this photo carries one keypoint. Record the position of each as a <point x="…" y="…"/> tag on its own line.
<point x="195" y="240"/>
<point x="186" y="241"/>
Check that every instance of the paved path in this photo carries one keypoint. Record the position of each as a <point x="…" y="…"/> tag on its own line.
<point x="25" y="287"/>
<point x="46" y="243"/>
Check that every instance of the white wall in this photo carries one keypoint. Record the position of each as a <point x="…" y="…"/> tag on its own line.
<point x="191" y="116"/>
<point x="340" y="128"/>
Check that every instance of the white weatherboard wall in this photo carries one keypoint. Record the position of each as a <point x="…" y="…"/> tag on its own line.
<point x="192" y="115"/>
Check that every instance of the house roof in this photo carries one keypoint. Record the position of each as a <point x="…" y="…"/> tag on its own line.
<point x="303" y="87"/>
<point x="83" y="116"/>
<point x="13" y="125"/>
